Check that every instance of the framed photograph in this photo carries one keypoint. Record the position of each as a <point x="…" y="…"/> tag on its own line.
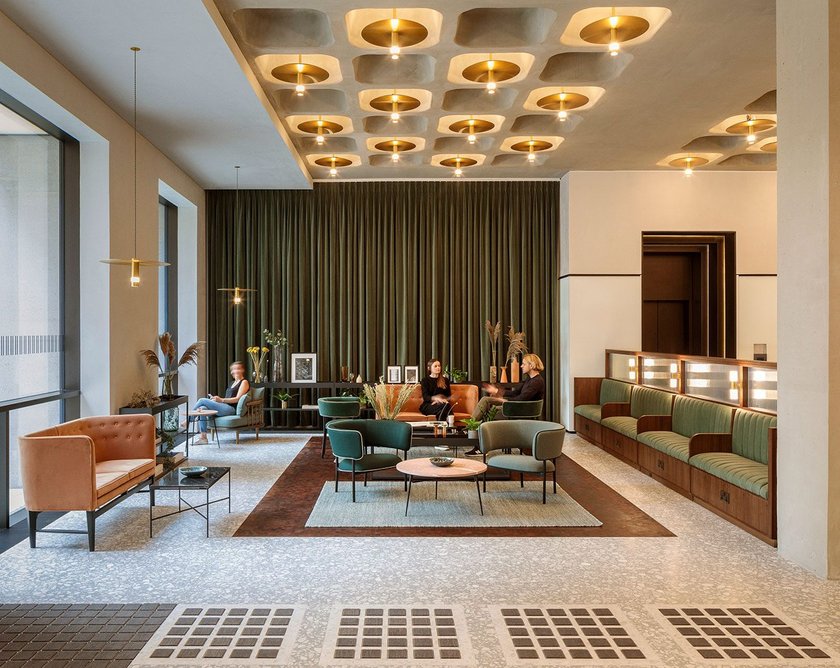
<point x="393" y="374"/>
<point x="412" y="374"/>
<point x="304" y="367"/>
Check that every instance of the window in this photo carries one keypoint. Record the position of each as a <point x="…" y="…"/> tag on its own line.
<point x="33" y="163"/>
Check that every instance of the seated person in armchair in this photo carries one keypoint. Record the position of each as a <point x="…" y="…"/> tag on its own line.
<point x="225" y="405"/>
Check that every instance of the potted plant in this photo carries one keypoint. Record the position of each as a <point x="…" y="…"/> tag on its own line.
<point x="472" y="425"/>
<point x="454" y="375"/>
<point x="386" y="403"/>
<point x="283" y="397"/>
<point x="168" y="369"/>
<point x="278" y="341"/>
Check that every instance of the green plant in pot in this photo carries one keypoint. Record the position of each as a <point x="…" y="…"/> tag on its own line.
<point x="472" y="425"/>
<point x="283" y="398"/>
<point x="455" y="375"/>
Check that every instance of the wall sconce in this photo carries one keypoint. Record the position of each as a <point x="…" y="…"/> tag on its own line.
<point x="631" y="368"/>
<point x="733" y="385"/>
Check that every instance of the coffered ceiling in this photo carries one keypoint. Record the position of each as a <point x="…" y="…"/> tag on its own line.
<point x="421" y="91"/>
<point x="218" y="78"/>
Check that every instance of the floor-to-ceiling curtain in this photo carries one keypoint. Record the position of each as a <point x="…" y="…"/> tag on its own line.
<point x="372" y="274"/>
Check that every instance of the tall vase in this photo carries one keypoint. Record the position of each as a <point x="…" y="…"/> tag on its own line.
<point x="514" y="370"/>
<point x="277" y="364"/>
<point x="170" y="418"/>
<point x="503" y="379"/>
<point x="493" y="371"/>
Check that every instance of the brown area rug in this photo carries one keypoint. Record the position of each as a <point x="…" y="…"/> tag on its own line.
<point x="283" y="511"/>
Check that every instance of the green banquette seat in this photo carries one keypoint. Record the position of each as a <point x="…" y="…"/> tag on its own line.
<point x="643" y="401"/>
<point x="612" y="391"/>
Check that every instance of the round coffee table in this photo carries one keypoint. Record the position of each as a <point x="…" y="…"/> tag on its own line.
<point x="423" y="469"/>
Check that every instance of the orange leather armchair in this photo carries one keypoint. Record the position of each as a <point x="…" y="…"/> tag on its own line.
<point x="90" y="464"/>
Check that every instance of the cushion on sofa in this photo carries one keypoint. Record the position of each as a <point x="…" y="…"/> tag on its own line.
<point x="694" y="416"/>
<point x="519" y="463"/>
<point x="647" y="401"/>
<point x="614" y="391"/>
<point x="740" y="471"/>
<point x="589" y="411"/>
<point x="622" y="424"/>
<point x="750" y="434"/>
<point x="109" y="481"/>
<point x="133" y="467"/>
<point x="668" y="442"/>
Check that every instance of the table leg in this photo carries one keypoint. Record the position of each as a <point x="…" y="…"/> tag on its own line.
<point x="207" y="518"/>
<point x="408" y="496"/>
<point x="228" y="492"/>
<point x="151" y="496"/>
<point x="216" y="433"/>
<point x="478" y="489"/>
<point x="436" y="482"/>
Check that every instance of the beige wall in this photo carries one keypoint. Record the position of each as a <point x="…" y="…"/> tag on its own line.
<point x="112" y="370"/>
<point x="602" y="220"/>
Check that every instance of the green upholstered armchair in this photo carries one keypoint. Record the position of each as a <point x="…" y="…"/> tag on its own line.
<point x="249" y="413"/>
<point x="330" y="408"/>
<point x="523" y="410"/>
<point x="543" y="439"/>
<point x="353" y="443"/>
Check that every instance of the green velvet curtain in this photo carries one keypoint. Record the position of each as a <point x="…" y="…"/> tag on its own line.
<point x="372" y="274"/>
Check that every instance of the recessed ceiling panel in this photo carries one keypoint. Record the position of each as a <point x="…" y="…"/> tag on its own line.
<point x="545" y="124"/>
<point x="697" y="159"/>
<point x="713" y="143"/>
<point x="314" y="101"/>
<point x="766" y="104"/>
<point x="269" y="63"/>
<point x="584" y="67"/>
<point x="456" y="144"/>
<point x="358" y="22"/>
<point x="654" y="16"/>
<point x="477" y="100"/>
<point x="337" y="144"/>
<point x="377" y="125"/>
<point x="371" y="95"/>
<point x="750" y="161"/>
<point x="592" y="93"/>
<point x="265" y="28"/>
<point x="466" y="63"/>
<point x="467" y="159"/>
<point x="519" y="160"/>
<point x="384" y="160"/>
<point x="410" y="69"/>
<point x="504" y="27"/>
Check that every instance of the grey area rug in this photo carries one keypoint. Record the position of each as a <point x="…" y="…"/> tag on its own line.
<point x="506" y="504"/>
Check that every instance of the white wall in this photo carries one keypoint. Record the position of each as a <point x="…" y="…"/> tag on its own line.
<point x="602" y="220"/>
<point x="117" y="320"/>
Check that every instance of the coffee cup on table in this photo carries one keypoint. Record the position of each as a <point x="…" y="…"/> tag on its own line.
<point x="450" y="420"/>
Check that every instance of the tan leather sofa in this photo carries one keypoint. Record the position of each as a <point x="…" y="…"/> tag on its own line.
<point x="89" y="464"/>
<point x="465" y="395"/>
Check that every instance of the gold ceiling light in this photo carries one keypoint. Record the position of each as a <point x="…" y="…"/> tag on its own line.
<point x="750" y="127"/>
<point x="614" y="30"/>
<point x="390" y="104"/>
<point x="562" y="103"/>
<point x="333" y="162"/>
<point x="490" y="72"/>
<point x="238" y="293"/>
<point x="472" y="127"/>
<point x="395" y="147"/>
<point x="320" y="128"/>
<point x="134" y="262"/>
<point x="458" y="163"/>
<point x="532" y="147"/>
<point x="394" y="34"/>
<point x="688" y="163"/>
<point x="300" y="74"/>
<point x="770" y="147"/>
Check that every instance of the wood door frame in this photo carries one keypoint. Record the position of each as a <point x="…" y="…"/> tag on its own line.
<point x="717" y="248"/>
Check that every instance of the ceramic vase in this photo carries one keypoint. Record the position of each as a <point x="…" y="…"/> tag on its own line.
<point x="493" y="371"/>
<point x="514" y="371"/>
<point x="277" y="364"/>
<point x="503" y="378"/>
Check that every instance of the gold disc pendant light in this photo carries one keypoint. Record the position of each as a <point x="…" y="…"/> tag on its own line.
<point x="750" y="127"/>
<point x="490" y="72"/>
<point x="471" y="127"/>
<point x="238" y="293"/>
<point x="688" y="163"/>
<point x="614" y="30"/>
<point x="320" y="128"/>
<point x="562" y="103"/>
<point x="333" y="162"/>
<point x="395" y="34"/>
<point x="300" y="74"/>
<point x="395" y="147"/>
<point x="532" y="147"/>
<point x="458" y="163"/>
<point x="134" y="262"/>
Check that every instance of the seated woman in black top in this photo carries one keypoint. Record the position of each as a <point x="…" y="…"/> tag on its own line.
<point x="436" y="391"/>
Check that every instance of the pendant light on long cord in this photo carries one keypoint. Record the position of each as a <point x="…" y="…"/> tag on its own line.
<point x="238" y="293"/>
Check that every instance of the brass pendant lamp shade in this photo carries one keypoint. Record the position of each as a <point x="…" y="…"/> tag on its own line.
<point x="300" y="74"/>
<point x="562" y="103"/>
<point x="388" y="102"/>
<point x="134" y="262"/>
<point x="688" y="163"/>
<point x="491" y="71"/>
<point x="770" y="147"/>
<point x="320" y="128"/>
<point x="750" y="127"/>
<point x="471" y="127"/>
<point x="532" y="147"/>
<point x="614" y="30"/>
<point x="458" y="163"/>
<point x="333" y="162"/>
<point x="238" y="293"/>
<point x="394" y="34"/>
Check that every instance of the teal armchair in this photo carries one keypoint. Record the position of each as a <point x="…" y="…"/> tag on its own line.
<point x="249" y="413"/>
<point x="353" y="443"/>
<point x="543" y="440"/>
<point x="523" y="410"/>
<point x="330" y="408"/>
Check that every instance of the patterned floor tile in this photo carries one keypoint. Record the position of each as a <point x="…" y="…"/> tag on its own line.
<point x="569" y="635"/>
<point x="741" y="634"/>
<point x="397" y="635"/>
<point x="224" y="635"/>
<point x="76" y="635"/>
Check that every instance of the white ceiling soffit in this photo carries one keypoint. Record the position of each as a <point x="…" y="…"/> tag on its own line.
<point x="12" y="124"/>
<point x="195" y="101"/>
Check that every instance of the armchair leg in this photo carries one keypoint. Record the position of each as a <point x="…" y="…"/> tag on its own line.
<point x="522" y="480"/>
<point x="324" y="440"/>
<point x="353" y="474"/>
<point x="485" y="482"/>
<point x="545" y="476"/>
<point x="366" y="479"/>
<point x="258" y="433"/>
<point x="33" y="526"/>
<point x="91" y="530"/>
<point x="237" y="437"/>
<point x="554" y="475"/>
<point x="336" y="475"/>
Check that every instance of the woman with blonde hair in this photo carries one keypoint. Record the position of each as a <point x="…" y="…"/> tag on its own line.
<point x="531" y="388"/>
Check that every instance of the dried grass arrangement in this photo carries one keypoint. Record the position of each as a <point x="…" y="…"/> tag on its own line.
<point x="166" y="364"/>
<point x="386" y="403"/>
<point x="516" y="344"/>
<point x="493" y="332"/>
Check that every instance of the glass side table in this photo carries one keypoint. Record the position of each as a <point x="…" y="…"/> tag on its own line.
<point x="175" y="481"/>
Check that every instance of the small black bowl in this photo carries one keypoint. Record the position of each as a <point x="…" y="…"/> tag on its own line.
<point x="442" y="461"/>
<point x="192" y="471"/>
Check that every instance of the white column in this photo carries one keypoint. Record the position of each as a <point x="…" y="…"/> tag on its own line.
<point x="808" y="78"/>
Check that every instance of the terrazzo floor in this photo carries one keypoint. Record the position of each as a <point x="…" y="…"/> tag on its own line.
<point x="709" y="564"/>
